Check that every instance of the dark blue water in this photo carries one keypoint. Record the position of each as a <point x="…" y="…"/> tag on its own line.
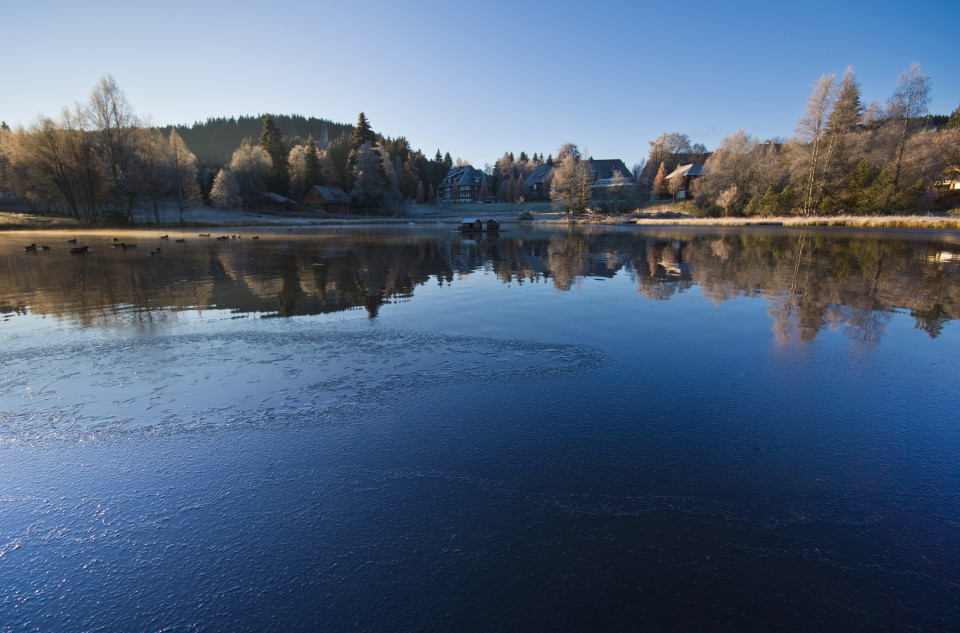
<point x="407" y="430"/>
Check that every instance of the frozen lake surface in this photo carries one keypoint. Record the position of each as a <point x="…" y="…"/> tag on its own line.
<point x="408" y="429"/>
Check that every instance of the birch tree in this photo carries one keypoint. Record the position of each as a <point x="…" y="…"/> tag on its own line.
<point x="110" y="116"/>
<point x="186" y="187"/>
<point x="810" y="134"/>
<point x="910" y="101"/>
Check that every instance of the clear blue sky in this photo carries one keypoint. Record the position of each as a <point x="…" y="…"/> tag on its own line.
<point x="478" y="79"/>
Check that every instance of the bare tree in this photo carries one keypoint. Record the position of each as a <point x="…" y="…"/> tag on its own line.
<point x="910" y="101"/>
<point x="110" y="116"/>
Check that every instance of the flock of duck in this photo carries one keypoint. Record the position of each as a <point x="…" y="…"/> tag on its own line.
<point x="117" y="244"/>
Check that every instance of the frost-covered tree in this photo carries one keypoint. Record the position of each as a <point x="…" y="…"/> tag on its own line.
<point x="250" y="166"/>
<point x="110" y="117"/>
<point x="571" y="184"/>
<point x="225" y="192"/>
<point x="186" y="187"/>
<point x="297" y="162"/>
<point x="810" y="135"/>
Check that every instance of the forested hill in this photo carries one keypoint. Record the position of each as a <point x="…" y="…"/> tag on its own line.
<point x="214" y="140"/>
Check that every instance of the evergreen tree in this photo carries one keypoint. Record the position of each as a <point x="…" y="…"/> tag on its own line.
<point x="312" y="174"/>
<point x="362" y="133"/>
<point x="952" y="124"/>
<point x="271" y="140"/>
<point x="550" y="159"/>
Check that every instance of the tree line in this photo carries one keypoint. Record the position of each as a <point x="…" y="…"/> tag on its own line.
<point x="844" y="157"/>
<point x="99" y="162"/>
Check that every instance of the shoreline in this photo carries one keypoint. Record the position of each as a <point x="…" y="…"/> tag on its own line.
<point x="204" y="217"/>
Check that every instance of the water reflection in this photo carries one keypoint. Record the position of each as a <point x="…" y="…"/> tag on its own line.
<point x="812" y="280"/>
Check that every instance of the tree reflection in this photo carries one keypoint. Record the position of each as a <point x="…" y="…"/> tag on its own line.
<point x="812" y="280"/>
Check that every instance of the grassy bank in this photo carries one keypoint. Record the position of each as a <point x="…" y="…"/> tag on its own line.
<point x="889" y="221"/>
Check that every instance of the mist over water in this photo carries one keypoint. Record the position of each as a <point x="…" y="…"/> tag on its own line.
<point x="409" y="429"/>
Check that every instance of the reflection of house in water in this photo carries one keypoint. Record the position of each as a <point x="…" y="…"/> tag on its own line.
<point x="666" y="260"/>
<point x="851" y="285"/>
<point x="944" y="258"/>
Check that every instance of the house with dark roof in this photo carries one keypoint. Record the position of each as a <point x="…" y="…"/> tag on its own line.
<point x="606" y="175"/>
<point x="610" y="175"/>
<point x="328" y="199"/>
<point x="461" y="184"/>
<point x="687" y="173"/>
<point x="538" y="182"/>
<point x="275" y="202"/>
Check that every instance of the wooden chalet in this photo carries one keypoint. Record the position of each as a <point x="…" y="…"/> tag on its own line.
<point x="328" y="199"/>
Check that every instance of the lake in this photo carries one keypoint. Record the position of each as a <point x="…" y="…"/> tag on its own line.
<point x="408" y="429"/>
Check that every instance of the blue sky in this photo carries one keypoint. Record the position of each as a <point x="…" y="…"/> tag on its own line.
<point x="478" y="79"/>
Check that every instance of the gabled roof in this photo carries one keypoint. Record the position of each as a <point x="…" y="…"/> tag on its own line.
<point x="693" y="169"/>
<point x="538" y="175"/>
<point x="465" y="175"/>
<point x="277" y="197"/>
<point x="332" y="194"/>
<point x="603" y="169"/>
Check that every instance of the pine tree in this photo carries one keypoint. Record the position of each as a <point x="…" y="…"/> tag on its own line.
<point x="312" y="174"/>
<point x="271" y="140"/>
<point x="362" y="133"/>
<point x="952" y="124"/>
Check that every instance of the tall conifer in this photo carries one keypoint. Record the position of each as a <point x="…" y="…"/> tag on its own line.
<point x="271" y="140"/>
